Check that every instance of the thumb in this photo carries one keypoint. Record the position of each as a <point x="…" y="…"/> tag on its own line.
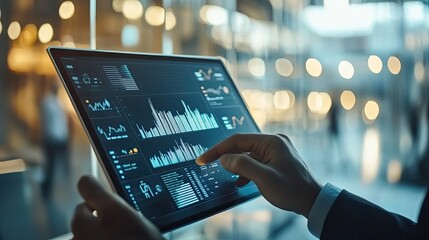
<point x="94" y="193"/>
<point x="245" y="166"/>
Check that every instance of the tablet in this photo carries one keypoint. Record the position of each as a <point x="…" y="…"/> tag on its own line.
<point x="148" y="117"/>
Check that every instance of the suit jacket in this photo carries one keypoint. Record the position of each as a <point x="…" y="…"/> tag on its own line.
<point x="352" y="217"/>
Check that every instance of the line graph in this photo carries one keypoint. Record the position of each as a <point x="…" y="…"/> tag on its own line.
<point x="233" y="122"/>
<point x="168" y="123"/>
<point x="220" y="90"/>
<point x="179" y="153"/>
<point x="103" y="105"/>
<point x="113" y="133"/>
<point x="208" y="75"/>
<point x="204" y="75"/>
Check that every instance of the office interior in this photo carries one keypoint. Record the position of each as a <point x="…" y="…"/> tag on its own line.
<point x="346" y="80"/>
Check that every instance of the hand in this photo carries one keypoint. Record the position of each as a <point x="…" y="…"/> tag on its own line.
<point x="115" y="218"/>
<point x="272" y="162"/>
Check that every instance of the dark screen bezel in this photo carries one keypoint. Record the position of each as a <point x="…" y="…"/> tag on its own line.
<point x="56" y="53"/>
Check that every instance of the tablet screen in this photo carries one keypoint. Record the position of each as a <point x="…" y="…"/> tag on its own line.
<point x="148" y="118"/>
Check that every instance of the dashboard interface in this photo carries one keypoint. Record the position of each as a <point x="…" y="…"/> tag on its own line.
<point x="150" y="117"/>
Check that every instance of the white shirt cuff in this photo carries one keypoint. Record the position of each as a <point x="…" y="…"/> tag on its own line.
<point x="321" y="207"/>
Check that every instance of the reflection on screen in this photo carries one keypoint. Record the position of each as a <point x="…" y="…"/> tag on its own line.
<point x="153" y="118"/>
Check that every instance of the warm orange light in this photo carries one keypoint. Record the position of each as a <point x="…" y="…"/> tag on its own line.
<point x="155" y="15"/>
<point x="28" y="35"/>
<point x="66" y="10"/>
<point x="132" y="9"/>
<point x="46" y="32"/>
<point x="375" y="64"/>
<point x="394" y="171"/>
<point x="394" y="65"/>
<point x="371" y="110"/>
<point x="21" y="60"/>
<point x="14" y="30"/>
<point x="348" y="99"/>
<point x="170" y="20"/>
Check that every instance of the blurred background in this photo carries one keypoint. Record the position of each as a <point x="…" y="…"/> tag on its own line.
<point x="347" y="80"/>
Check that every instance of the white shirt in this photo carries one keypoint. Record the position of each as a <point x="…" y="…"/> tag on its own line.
<point x="321" y="207"/>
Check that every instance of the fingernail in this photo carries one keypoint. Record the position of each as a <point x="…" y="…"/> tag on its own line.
<point x="199" y="161"/>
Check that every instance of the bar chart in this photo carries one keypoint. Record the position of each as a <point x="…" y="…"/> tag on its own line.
<point x="168" y="123"/>
<point x="179" y="153"/>
<point x="120" y="78"/>
<point x="180" y="190"/>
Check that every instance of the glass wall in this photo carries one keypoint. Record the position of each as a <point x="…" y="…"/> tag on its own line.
<point x="344" y="78"/>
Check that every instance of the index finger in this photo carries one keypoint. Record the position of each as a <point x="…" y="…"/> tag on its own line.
<point x="237" y="143"/>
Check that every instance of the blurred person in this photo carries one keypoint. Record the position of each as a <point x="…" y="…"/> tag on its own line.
<point x="55" y="137"/>
<point x="335" y="137"/>
<point x="274" y="165"/>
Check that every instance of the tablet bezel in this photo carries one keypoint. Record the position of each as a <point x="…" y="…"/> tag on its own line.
<point x="56" y="53"/>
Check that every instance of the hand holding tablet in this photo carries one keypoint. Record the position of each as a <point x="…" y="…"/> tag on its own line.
<point x="271" y="161"/>
<point x="148" y="117"/>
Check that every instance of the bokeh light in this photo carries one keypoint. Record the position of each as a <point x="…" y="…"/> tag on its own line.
<point x="394" y="171"/>
<point x="394" y="65"/>
<point x="284" y="67"/>
<point x="213" y="15"/>
<point x="326" y="103"/>
<point x="346" y="69"/>
<point x="14" y="30"/>
<point x="375" y="64"/>
<point x="155" y="15"/>
<point x="314" y="101"/>
<point x="46" y="33"/>
<point x="68" y="41"/>
<point x="348" y="99"/>
<point x="66" y="10"/>
<point x="132" y="9"/>
<point x="371" y="110"/>
<point x="28" y="35"/>
<point x="130" y="36"/>
<point x="282" y="100"/>
<point x="118" y="5"/>
<point x="313" y="67"/>
<point x="419" y="71"/>
<point x="1" y="27"/>
<point x="319" y="102"/>
<point x="371" y="158"/>
<point x="256" y="67"/>
<point x="170" y="20"/>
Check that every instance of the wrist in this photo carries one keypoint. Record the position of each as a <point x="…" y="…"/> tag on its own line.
<point x="310" y="197"/>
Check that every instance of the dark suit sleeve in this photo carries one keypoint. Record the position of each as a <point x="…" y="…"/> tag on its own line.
<point x="352" y="217"/>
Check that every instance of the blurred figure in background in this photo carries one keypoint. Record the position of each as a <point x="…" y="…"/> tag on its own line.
<point x="55" y="136"/>
<point x="335" y="139"/>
